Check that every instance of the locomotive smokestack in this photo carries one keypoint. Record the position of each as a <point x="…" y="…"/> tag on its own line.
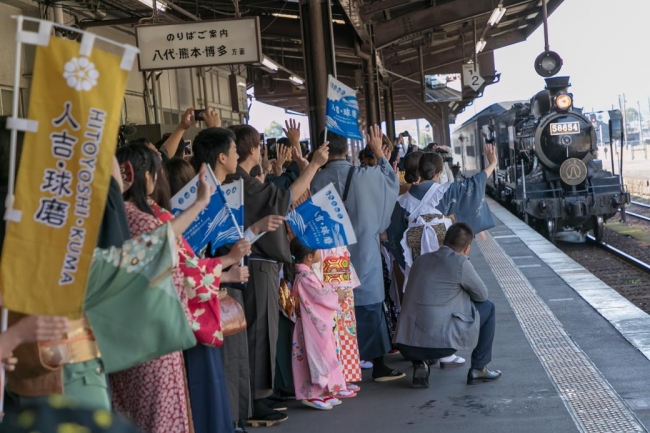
<point x="556" y="84"/>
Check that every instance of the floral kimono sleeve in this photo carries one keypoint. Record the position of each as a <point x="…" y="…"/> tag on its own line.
<point x="132" y="304"/>
<point x="466" y="200"/>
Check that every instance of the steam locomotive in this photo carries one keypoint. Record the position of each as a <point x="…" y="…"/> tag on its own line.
<point x="548" y="169"/>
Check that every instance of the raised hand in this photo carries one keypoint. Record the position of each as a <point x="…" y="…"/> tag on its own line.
<point x="321" y="155"/>
<point x="374" y="141"/>
<point x="490" y="154"/>
<point x="204" y="191"/>
<point x="211" y="118"/>
<point x="283" y="154"/>
<point x="186" y="119"/>
<point x="292" y="131"/>
<point x="299" y="159"/>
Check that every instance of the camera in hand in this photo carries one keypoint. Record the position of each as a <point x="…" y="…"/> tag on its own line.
<point x="198" y="115"/>
<point x="445" y="155"/>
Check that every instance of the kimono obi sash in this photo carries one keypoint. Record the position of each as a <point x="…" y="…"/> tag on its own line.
<point x="427" y="226"/>
<point x="79" y="346"/>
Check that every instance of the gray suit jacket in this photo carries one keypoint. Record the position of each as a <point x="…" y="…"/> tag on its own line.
<point x="437" y="310"/>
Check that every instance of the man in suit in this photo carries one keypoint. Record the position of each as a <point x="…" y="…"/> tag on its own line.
<point x="445" y="309"/>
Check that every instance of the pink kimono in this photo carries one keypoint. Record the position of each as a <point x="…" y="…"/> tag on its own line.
<point x="316" y="368"/>
<point x="339" y="274"/>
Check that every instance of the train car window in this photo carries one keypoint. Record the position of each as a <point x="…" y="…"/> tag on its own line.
<point x="470" y="151"/>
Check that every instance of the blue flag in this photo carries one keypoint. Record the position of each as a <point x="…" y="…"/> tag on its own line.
<point x="229" y="223"/>
<point x="215" y="223"/>
<point x="342" y="110"/>
<point x="322" y="221"/>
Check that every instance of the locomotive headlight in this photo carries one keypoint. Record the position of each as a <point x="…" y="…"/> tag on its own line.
<point x="563" y="102"/>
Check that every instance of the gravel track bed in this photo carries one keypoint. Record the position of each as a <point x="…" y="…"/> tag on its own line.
<point x="627" y="280"/>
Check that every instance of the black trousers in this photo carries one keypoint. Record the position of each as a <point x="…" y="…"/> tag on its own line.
<point x="482" y="354"/>
<point x="372" y="331"/>
<point x="262" y="317"/>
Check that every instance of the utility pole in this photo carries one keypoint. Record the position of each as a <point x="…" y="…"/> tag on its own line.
<point x="622" y="105"/>
<point x="640" y="126"/>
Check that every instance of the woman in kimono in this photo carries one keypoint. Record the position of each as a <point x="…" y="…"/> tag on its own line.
<point x="421" y="221"/>
<point x="154" y="394"/>
<point x="202" y="276"/>
<point x="339" y="275"/>
<point x="126" y="275"/>
<point x="317" y="374"/>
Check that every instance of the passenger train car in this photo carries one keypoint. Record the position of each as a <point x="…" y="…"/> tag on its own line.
<point x="548" y="170"/>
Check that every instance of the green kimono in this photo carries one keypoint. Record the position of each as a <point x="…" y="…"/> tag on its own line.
<point x="133" y="310"/>
<point x="132" y="304"/>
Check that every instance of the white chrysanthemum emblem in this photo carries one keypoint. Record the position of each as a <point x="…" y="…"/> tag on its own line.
<point x="81" y="74"/>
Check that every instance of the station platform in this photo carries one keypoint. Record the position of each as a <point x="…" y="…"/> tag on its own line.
<point x="575" y="356"/>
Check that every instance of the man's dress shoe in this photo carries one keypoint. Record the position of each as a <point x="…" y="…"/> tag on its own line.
<point x="484" y="375"/>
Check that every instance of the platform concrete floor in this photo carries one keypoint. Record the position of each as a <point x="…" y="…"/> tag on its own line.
<point x="524" y="400"/>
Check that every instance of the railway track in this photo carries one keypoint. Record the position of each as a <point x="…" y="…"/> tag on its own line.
<point x="639" y="264"/>
<point x="637" y="203"/>
<point x="636" y="215"/>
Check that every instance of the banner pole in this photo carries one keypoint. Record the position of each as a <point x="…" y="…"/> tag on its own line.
<point x="325" y="136"/>
<point x="13" y="146"/>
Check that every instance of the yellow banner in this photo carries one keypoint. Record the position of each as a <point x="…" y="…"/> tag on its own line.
<point x="63" y="178"/>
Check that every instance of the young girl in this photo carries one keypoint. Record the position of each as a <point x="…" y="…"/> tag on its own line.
<point x="339" y="275"/>
<point x="317" y="374"/>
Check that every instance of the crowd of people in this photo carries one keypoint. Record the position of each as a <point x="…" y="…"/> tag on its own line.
<point x="220" y="340"/>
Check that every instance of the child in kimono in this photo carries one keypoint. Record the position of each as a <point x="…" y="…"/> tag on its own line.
<point x="317" y="373"/>
<point x="339" y="275"/>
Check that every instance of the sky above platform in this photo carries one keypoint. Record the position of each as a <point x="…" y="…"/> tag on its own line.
<point x="605" y="48"/>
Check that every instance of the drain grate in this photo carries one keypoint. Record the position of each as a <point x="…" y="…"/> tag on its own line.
<point x="592" y="402"/>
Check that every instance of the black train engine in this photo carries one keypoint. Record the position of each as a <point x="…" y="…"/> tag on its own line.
<point x="548" y="167"/>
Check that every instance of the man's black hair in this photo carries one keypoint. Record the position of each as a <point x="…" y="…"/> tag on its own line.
<point x="338" y="145"/>
<point x="459" y="236"/>
<point x="209" y="144"/>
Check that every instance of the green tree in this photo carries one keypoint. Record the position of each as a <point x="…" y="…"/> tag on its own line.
<point x="274" y="130"/>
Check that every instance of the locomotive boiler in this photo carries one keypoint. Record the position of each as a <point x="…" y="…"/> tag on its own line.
<point x="548" y="168"/>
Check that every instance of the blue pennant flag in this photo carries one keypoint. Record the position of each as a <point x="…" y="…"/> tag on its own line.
<point x="342" y="115"/>
<point x="322" y="221"/>
<point x="216" y="223"/>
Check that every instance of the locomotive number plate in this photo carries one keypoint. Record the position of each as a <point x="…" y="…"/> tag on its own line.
<point x="565" y="128"/>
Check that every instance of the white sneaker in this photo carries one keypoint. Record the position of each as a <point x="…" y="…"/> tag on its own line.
<point x="366" y="365"/>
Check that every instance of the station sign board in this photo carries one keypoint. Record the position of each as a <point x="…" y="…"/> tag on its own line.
<point x="472" y="76"/>
<point x="201" y="43"/>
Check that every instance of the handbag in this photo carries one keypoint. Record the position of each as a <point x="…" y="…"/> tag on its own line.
<point x="233" y="319"/>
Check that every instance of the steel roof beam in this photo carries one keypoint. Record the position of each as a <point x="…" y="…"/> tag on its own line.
<point x="382" y="5"/>
<point x="438" y="61"/>
<point x="391" y="31"/>
<point x="352" y="12"/>
<point x="289" y="28"/>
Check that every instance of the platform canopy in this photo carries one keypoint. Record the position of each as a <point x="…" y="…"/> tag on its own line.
<point x="396" y="31"/>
